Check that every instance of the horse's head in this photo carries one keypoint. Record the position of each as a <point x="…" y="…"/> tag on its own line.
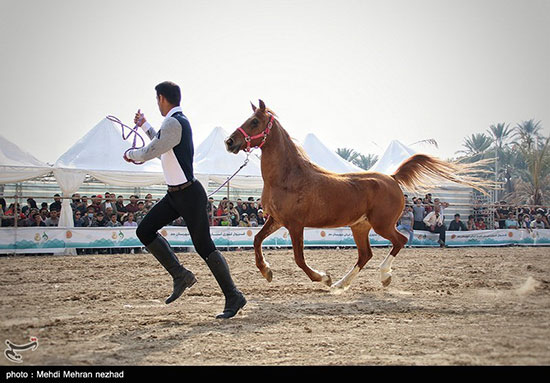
<point x="253" y="132"/>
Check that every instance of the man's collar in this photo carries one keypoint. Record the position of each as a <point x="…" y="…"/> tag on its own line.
<point x="173" y="110"/>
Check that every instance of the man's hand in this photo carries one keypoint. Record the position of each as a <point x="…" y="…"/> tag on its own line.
<point x="139" y="119"/>
<point x="126" y="158"/>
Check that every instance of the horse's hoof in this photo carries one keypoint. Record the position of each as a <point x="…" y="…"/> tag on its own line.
<point x="386" y="282"/>
<point x="268" y="274"/>
<point x="326" y="280"/>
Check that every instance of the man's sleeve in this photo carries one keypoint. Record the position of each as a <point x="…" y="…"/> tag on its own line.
<point x="167" y="137"/>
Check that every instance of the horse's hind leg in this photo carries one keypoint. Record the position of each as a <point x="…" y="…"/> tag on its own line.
<point x="269" y="228"/>
<point x="361" y="236"/>
<point x="297" y="236"/>
<point x="398" y="241"/>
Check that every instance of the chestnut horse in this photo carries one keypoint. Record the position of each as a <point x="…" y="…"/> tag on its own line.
<point x="298" y="194"/>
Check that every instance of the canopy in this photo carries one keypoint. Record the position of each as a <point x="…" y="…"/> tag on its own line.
<point x="99" y="154"/>
<point x="213" y="162"/>
<point x="326" y="158"/>
<point x="17" y="165"/>
<point x="394" y="155"/>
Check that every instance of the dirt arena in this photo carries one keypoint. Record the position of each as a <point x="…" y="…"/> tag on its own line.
<point x="471" y="306"/>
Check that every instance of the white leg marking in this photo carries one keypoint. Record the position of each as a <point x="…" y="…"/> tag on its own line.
<point x="344" y="283"/>
<point x="385" y="270"/>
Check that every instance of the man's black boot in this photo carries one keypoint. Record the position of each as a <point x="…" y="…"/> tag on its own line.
<point x="183" y="278"/>
<point x="234" y="299"/>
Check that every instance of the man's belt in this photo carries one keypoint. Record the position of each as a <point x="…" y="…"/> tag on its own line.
<point x="181" y="187"/>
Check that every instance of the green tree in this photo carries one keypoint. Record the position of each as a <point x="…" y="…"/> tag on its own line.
<point x="347" y="154"/>
<point x="365" y="162"/>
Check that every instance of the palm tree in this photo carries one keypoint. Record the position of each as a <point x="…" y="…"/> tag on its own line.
<point x="476" y="146"/>
<point x="500" y="134"/>
<point x="347" y="154"/>
<point x="528" y="132"/>
<point x="365" y="162"/>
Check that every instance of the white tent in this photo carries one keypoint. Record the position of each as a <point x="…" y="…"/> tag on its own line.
<point x="17" y="165"/>
<point x="394" y="155"/>
<point x="326" y="158"/>
<point x="213" y="162"/>
<point x="99" y="154"/>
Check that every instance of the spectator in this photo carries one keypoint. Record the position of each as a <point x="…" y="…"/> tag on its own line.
<point x="149" y="203"/>
<point x="457" y="225"/>
<point x="261" y="219"/>
<point x="500" y="215"/>
<point x="113" y="222"/>
<point x="78" y="220"/>
<point x="538" y="223"/>
<point x="511" y="222"/>
<point x="253" y="220"/>
<point x="31" y="204"/>
<point x="83" y="205"/>
<point x="243" y="221"/>
<point x="96" y="203"/>
<point x="471" y="224"/>
<point x="252" y="209"/>
<point x="239" y="206"/>
<point x="132" y="207"/>
<point x="406" y="222"/>
<point x="44" y="213"/>
<point x="88" y="219"/>
<point x="434" y="223"/>
<point x="109" y="203"/>
<point x="480" y="224"/>
<point x="140" y="213"/>
<point x="129" y="221"/>
<point x="428" y="204"/>
<point x="37" y="220"/>
<point x="419" y="213"/>
<point x="120" y="208"/>
<point x="211" y="208"/>
<point x="233" y="215"/>
<point x="53" y="219"/>
<point x="100" y="220"/>
<point x="56" y="204"/>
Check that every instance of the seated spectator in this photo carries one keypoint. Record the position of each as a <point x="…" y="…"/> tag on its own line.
<point x="113" y="222"/>
<point x="100" y="220"/>
<point x="434" y="223"/>
<point x="78" y="220"/>
<point x="132" y="207"/>
<point x="149" y="203"/>
<point x="120" y="208"/>
<point x="31" y="204"/>
<point x="37" y="220"/>
<point x="538" y="223"/>
<point x="88" y="219"/>
<point x="53" y="219"/>
<point x="253" y="220"/>
<point x="501" y="213"/>
<point x="480" y="224"/>
<point x="261" y="219"/>
<point x="511" y="222"/>
<point x="56" y="204"/>
<point x="457" y="225"/>
<point x="109" y="203"/>
<point x="471" y="224"/>
<point x="406" y="222"/>
<point x="243" y="221"/>
<point x="96" y="203"/>
<point x="83" y="205"/>
<point x="129" y="220"/>
<point x="30" y="219"/>
<point x="140" y="213"/>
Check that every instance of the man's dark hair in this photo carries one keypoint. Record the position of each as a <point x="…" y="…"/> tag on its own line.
<point x="170" y="91"/>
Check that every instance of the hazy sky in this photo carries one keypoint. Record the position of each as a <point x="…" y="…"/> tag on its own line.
<point x="358" y="74"/>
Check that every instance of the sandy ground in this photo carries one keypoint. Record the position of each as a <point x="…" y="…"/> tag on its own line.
<point x="471" y="306"/>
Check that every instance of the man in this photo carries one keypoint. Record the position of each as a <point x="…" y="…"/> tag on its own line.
<point x="53" y="219"/>
<point x="186" y="197"/>
<point x="538" y="223"/>
<point x="457" y="225"/>
<point x="434" y="223"/>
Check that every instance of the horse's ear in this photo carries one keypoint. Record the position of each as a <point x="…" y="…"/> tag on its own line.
<point x="253" y="106"/>
<point x="262" y="105"/>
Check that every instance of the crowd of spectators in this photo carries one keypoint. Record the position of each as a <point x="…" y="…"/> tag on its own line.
<point x="425" y="214"/>
<point x="242" y="213"/>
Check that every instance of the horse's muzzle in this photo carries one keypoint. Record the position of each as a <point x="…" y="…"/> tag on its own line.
<point x="232" y="146"/>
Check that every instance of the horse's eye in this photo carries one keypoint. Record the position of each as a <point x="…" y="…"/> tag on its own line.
<point x="255" y="122"/>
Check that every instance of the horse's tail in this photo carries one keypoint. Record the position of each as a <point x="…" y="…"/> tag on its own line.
<point x="422" y="171"/>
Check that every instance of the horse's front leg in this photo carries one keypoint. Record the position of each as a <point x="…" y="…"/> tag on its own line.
<point x="297" y="237"/>
<point x="269" y="227"/>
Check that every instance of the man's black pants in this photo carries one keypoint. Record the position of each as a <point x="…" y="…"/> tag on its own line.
<point x="189" y="203"/>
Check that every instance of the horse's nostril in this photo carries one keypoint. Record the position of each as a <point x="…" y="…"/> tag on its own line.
<point x="229" y="142"/>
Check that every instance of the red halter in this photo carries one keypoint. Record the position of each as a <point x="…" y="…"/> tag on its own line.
<point x="263" y="134"/>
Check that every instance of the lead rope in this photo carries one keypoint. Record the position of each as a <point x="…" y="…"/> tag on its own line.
<point x="133" y="131"/>
<point x="231" y="177"/>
